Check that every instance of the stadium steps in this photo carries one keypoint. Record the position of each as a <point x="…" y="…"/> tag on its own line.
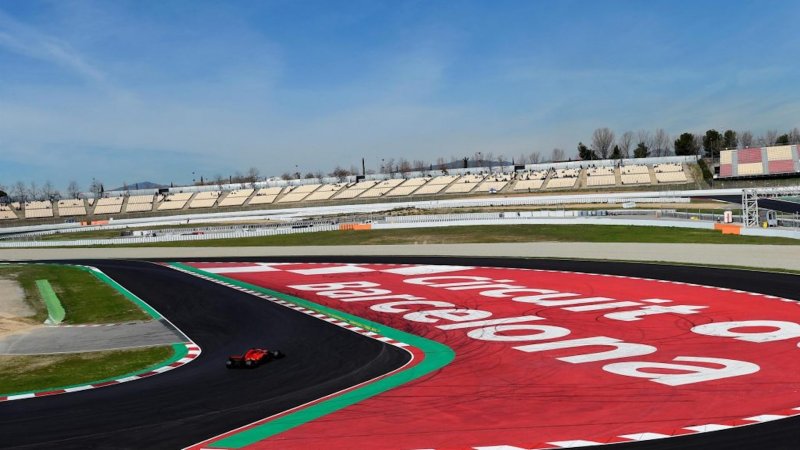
<point x="188" y="202"/>
<point x="583" y="180"/>
<point x="221" y="197"/>
<point x="652" y="171"/>
<point x="547" y="179"/>
<point x="123" y="208"/>
<point x="444" y="189"/>
<point x="617" y="176"/>
<point x="250" y="197"/>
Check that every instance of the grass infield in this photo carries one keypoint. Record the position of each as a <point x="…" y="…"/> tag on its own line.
<point x="85" y="298"/>
<point x="43" y="372"/>
<point x="489" y="234"/>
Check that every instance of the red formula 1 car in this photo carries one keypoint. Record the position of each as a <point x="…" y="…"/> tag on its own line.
<point x="253" y="358"/>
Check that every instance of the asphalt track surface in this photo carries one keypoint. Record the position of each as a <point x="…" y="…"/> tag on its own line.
<point x="202" y="399"/>
<point x="773" y="204"/>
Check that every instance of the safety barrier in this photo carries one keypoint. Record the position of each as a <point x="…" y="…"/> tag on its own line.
<point x="169" y="237"/>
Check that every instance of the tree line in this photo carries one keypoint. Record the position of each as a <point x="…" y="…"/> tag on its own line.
<point x="643" y="143"/>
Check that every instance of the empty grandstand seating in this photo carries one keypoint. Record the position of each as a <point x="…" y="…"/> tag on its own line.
<point x="494" y="183"/>
<point x="236" y="198"/>
<point x="669" y="167"/>
<point x="601" y="180"/>
<point x="265" y="196"/>
<point x="356" y="189"/>
<point x="139" y="203"/>
<point x="204" y="199"/>
<point x="669" y="173"/>
<point x="600" y="176"/>
<point x="408" y="187"/>
<point x="382" y="188"/>
<point x="111" y="205"/>
<point x="325" y="192"/>
<point x="633" y="168"/>
<point x="671" y="177"/>
<point x="635" y="174"/>
<point x="71" y="207"/>
<point x="599" y="171"/>
<point x="174" y="201"/>
<point x="528" y="185"/>
<point x="563" y="178"/>
<point x="38" y="209"/>
<point x="529" y="180"/>
<point x="636" y="178"/>
<point x="464" y="184"/>
<point x="298" y="193"/>
<point x="436" y="185"/>
<point x="7" y="213"/>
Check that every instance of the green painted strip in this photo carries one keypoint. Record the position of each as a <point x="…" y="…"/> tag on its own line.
<point x="437" y="355"/>
<point x="55" y="312"/>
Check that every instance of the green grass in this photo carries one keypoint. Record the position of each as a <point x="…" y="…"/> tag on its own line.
<point x="43" y="372"/>
<point x="490" y="234"/>
<point x="85" y="298"/>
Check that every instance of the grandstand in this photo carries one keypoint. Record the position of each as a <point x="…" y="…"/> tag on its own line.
<point x="175" y="201"/>
<point x="7" y="213"/>
<point x="265" y="196"/>
<point x="204" y="199"/>
<point x="635" y="174"/>
<point x="755" y="161"/>
<point x="530" y="180"/>
<point x="236" y="198"/>
<point x="356" y="189"/>
<point x="408" y="187"/>
<point x="325" y="192"/>
<point x="110" y="205"/>
<point x="563" y="178"/>
<point x="494" y="183"/>
<point x="139" y="203"/>
<point x="669" y="173"/>
<point x="298" y="193"/>
<point x="600" y="176"/>
<point x="464" y="184"/>
<point x="38" y="209"/>
<point x="382" y="188"/>
<point x="436" y="185"/>
<point x="71" y="207"/>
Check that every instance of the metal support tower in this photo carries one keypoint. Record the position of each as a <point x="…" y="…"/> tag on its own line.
<point x="750" y="208"/>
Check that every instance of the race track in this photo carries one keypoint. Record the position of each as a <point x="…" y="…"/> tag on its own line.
<point x="202" y="399"/>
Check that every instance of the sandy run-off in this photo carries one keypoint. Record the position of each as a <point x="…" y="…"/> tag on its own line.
<point x="16" y="315"/>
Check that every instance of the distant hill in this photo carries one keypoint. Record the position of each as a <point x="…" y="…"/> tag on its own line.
<point x="139" y="185"/>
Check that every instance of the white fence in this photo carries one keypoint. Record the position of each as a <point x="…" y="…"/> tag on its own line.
<point x="244" y="233"/>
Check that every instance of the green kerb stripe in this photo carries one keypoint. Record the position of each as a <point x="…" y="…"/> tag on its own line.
<point x="55" y="312"/>
<point x="437" y="355"/>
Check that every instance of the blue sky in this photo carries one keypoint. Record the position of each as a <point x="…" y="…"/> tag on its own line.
<point x="129" y="91"/>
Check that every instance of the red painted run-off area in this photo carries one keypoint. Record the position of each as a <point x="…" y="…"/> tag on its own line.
<point x="494" y="393"/>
